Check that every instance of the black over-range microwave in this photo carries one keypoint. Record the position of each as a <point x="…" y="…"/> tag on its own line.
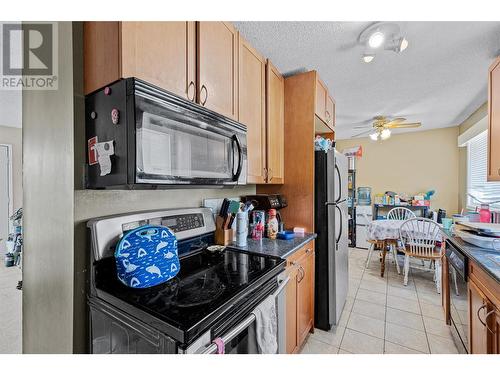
<point x="141" y="136"/>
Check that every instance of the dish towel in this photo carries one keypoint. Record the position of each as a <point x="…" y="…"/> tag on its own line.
<point x="266" y="326"/>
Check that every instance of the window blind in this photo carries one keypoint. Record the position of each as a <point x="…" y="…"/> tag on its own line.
<point x="477" y="155"/>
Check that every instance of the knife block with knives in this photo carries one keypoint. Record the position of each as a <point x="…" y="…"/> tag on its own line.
<point x="224" y="221"/>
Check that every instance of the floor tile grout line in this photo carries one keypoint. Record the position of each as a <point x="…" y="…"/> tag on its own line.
<point x="350" y="312"/>
<point x="423" y="322"/>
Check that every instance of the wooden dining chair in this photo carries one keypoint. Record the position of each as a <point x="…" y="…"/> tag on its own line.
<point x="419" y="237"/>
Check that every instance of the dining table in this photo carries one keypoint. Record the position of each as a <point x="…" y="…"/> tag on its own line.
<point x="385" y="232"/>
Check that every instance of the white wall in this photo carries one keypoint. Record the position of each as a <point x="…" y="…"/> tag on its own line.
<point x="48" y="264"/>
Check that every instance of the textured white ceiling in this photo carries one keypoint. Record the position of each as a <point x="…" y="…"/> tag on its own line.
<point x="439" y="80"/>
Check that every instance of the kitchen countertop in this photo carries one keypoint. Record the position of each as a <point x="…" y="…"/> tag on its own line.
<point x="488" y="260"/>
<point x="278" y="248"/>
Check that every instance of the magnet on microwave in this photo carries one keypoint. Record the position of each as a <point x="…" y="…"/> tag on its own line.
<point x="104" y="152"/>
<point x="115" y="116"/>
<point x="92" y="153"/>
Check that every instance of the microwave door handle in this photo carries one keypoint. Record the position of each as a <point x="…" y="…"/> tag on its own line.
<point x="235" y="140"/>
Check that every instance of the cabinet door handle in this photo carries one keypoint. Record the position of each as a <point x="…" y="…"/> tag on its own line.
<point x="498" y="171"/>
<point x="327" y="115"/>
<point x="191" y="84"/>
<point x="484" y="323"/>
<point x="302" y="273"/>
<point x="265" y="173"/>
<point x="202" y="102"/>
<point x="270" y="174"/>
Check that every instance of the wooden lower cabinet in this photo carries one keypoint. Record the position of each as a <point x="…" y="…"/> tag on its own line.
<point x="300" y="297"/>
<point x="496" y="331"/>
<point x="305" y="295"/>
<point x="484" y="312"/>
<point x="291" y="311"/>
<point x="478" y="333"/>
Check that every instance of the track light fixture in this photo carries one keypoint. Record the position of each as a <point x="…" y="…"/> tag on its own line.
<point x="382" y="36"/>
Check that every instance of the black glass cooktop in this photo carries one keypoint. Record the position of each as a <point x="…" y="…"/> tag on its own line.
<point x="205" y="285"/>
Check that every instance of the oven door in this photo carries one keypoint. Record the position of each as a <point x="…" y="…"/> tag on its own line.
<point x="241" y="338"/>
<point x="458" y="296"/>
<point x="178" y="142"/>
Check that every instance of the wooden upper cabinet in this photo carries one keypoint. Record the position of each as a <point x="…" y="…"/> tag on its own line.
<point x="330" y="111"/>
<point x="218" y="67"/>
<point x="161" y="53"/>
<point x="478" y="333"/>
<point x="494" y="121"/>
<point x="321" y="95"/>
<point x="101" y="54"/>
<point x="305" y="294"/>
<point x="275" y="93"/>
<point x="252" y="109"/>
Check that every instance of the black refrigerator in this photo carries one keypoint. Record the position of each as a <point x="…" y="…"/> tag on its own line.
<point x="331" y="226"/>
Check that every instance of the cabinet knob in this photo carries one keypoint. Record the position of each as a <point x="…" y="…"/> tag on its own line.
<point x="203" y="87"/>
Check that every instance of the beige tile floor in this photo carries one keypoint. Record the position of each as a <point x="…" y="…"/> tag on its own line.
<point x="382" y="315"/>
<point x="10" y="310"/>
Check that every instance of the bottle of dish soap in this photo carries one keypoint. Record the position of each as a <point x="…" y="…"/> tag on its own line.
<point x="272" y="225"/>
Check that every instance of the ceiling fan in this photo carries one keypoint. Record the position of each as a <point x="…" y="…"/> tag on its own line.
<point x="382" y="125"/>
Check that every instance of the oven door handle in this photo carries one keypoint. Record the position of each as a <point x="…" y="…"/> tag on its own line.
<point x="212" y="348"/>
<point x="234" y="139"/>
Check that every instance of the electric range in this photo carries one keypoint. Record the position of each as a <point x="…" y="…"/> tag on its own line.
<point x="212" y="293"/>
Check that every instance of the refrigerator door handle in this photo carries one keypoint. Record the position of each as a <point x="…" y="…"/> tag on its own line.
<point x="340" y="229"/>
<point x="340" y="183"/>
<point x="330" y="203"/>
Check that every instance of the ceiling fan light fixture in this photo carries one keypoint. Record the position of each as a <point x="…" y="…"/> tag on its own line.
<point x="368" y="58"/>
<point x="374" y="136"/>
<point x="385" y="134"/>
<point x="403" y="44"/>
<point x="376" y="39"/>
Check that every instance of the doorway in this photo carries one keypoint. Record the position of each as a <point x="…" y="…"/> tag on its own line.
<point x="5" y="194"/>
<point x="10" y="266"/>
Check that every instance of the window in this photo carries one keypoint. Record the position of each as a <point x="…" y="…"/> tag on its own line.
<point x="477" y="167"/>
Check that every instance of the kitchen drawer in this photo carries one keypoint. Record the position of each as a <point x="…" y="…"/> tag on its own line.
<point x="295" y="257"/>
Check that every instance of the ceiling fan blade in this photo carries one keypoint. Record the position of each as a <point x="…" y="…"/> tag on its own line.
<point x="408" y="125"/>
<point x="362" y="126"/>
<point x="362" y="133"/>
<point x="396" y="121"/>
